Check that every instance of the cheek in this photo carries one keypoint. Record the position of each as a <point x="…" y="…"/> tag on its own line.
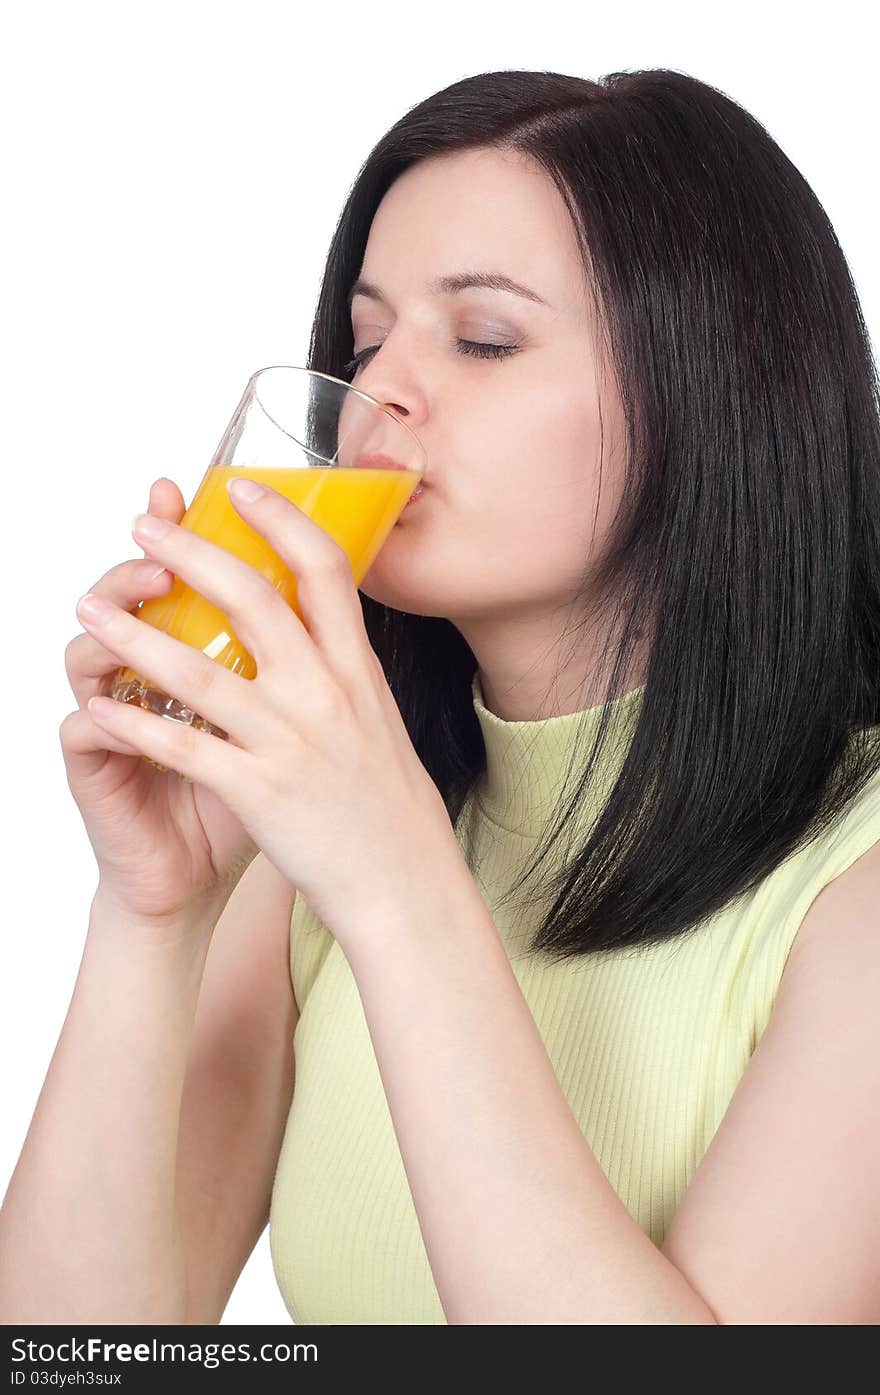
<point x="513" y="521"/>
<point x="525" y="543"/>
<point x="528" y="457"/>
<point x="543" y="482"/>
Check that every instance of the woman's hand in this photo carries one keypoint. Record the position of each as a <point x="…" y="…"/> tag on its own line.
<point x="319" y="766"/>
<point x="168" y="852"/>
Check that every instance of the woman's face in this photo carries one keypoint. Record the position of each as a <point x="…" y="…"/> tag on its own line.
<point x="505" y="527"/>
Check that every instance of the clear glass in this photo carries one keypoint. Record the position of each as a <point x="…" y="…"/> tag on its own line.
<point x="346" y="460"/>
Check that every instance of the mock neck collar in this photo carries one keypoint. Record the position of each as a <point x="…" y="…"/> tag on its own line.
<point x="527" y="763"/>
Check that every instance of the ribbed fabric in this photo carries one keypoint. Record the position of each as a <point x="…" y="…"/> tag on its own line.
<point x="648" y="1046"/>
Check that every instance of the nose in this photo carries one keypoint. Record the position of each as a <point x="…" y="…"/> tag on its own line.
<point x="406" y="404"/>
<point x="392" y="399"/>
<point x="394" y="380"/>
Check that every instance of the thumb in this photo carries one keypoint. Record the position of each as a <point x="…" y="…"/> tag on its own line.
<point x="166" y="500"/>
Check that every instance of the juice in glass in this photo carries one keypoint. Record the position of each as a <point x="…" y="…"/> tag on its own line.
<point x="357" y="507"/>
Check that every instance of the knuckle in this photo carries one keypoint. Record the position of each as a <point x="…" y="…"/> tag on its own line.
<point x="185" y="737"/>
<point x="331" y="561"/>
<point x="117" y="581"/>
<point x="378" y="681"/>
<point x="68" y="723"/>
<point x="376" y="668"/>
<point x="268" y="594"/>
<point x="78" y="658"/>
<point x="335" y="706"/>
<point x="204" y="676"/>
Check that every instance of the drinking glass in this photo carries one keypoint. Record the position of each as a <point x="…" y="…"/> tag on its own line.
<point x="346" y="460"/>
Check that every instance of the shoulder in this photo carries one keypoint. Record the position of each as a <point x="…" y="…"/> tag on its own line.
<point x="845" y="901"/>
<point x="781" y="1221"/>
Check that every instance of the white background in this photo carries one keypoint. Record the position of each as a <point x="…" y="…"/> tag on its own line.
<point x="172" y="174"/>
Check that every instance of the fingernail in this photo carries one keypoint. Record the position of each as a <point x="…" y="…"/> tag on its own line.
<point x="93" y="607"/>
<point x="147" y="525"/>
<point x="245" y="489"/>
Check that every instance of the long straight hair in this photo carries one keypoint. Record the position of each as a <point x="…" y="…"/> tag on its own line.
<point x="746" y="543"/>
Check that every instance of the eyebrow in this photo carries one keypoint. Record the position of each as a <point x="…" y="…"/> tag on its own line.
<point x="451" y="285"/>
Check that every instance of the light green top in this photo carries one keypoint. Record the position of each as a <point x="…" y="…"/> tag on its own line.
<point x="648" y="1047"/>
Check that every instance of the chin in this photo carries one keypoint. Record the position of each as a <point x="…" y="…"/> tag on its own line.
<point x="405" y="601"/>
<point x="406" y="594"/>
<point x="418" y="572"/>
<point x="402" y="580"/>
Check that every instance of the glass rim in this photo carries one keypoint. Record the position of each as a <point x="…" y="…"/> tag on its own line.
<point x="349" y="387"/>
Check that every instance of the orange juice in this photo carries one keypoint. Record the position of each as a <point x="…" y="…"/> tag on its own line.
<point x="357" y="507"/>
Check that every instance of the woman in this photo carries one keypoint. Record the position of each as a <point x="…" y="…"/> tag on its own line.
<point x="628" y="640"/>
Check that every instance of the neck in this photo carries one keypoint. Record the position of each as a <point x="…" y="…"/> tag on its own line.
<point x="527" y="674"/>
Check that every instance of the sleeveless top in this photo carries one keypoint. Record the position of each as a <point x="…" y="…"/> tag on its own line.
<point x="648" y="1047"/>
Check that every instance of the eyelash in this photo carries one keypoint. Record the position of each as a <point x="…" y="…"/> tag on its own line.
<point x="465" y="346"/>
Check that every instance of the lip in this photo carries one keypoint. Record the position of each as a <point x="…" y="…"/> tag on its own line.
<point x="376" y="460"/>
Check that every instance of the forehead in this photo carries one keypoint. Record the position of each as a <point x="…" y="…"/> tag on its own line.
<point x="482" y="209"/>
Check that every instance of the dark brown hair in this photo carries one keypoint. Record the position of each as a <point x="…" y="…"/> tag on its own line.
<point x="747" y="538"/>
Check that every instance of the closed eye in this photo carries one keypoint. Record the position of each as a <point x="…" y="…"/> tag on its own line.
<point x="464" y="346"/>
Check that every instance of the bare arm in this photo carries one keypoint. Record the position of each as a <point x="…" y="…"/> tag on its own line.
<point x="146" y="1176"/>
<point x="238" y="1089"/>
<point x="88" y="1230"/>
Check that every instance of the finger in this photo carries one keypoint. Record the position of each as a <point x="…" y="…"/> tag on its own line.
<point x="166" y="500"/>
<point x="89" y="665"/>
<point x="221" y="767"/>
<point x="86" y="742"/>
<point x="87" y="662"/>
<point x="258" y="615"/>
<point x="176" y="667"/>
<point x="327" y="597"/>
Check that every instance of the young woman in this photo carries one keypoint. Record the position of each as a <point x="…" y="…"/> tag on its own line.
<point x="576" y="804"/>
